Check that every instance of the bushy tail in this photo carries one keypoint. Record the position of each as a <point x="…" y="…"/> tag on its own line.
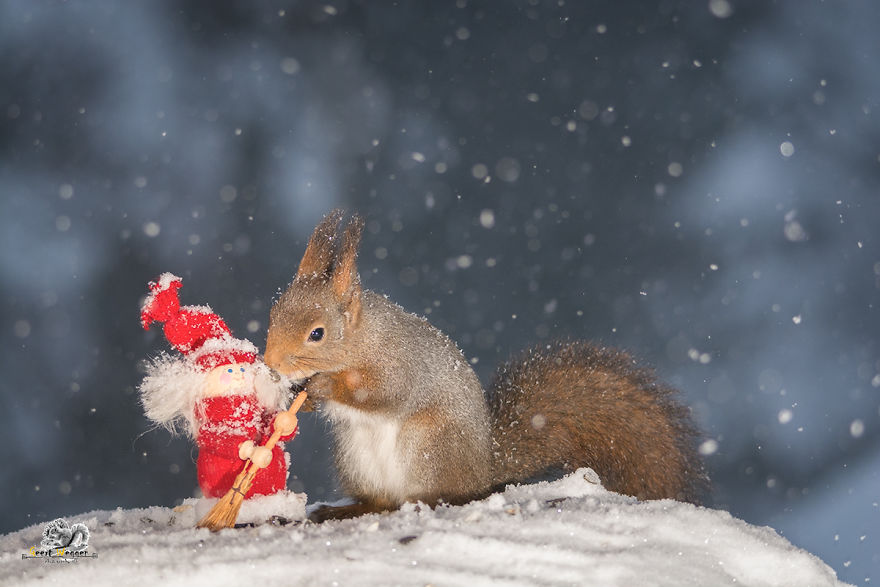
<point x="571" y="404"/>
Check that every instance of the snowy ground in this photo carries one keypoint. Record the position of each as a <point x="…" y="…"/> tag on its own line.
<point x="570" y="531"/>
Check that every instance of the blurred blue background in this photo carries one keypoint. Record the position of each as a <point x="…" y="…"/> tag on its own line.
<point x="694" y="181"/>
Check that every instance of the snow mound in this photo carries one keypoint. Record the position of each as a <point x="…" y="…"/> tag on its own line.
<point x="566" y="531"/>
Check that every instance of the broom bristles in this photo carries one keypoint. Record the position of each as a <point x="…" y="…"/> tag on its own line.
<point x="221" y="517"/>
<point x="225" y="511"/>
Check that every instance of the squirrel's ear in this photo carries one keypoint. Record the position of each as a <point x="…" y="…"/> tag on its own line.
<point x="345" y="280"/>
<point x="318" y="258"/>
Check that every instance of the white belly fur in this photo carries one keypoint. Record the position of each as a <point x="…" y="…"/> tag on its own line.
<point x="369" y="450"/>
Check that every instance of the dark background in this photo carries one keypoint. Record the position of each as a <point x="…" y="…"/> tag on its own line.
<point x="694" y="181"/>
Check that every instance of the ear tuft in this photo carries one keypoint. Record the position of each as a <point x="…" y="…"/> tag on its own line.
<point x="317" y="261"/>
<point x="345" y="280"/>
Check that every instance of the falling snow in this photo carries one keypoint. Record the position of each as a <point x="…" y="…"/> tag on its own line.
<point x="694" y="182"/>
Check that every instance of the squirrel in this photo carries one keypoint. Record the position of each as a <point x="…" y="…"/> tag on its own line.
<point x="409" y="418"/>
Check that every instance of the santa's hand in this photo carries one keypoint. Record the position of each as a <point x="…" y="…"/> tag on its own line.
<point x="246" y="449"/>
<point x="285" y="422"/>
<point x="261" y="457"/>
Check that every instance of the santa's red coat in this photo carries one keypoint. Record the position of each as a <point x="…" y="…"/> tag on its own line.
<point x="224" y="422"/>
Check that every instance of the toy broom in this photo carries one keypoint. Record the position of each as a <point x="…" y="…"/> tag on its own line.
<point x="225" y="511"/>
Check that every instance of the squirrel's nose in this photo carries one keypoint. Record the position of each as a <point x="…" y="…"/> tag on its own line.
<point x="273" y="356"/>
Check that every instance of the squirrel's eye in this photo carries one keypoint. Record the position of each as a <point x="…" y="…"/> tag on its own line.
<point x="316" y="335"/>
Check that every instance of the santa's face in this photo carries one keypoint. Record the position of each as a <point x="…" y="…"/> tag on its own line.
<point x="234" y="379"/>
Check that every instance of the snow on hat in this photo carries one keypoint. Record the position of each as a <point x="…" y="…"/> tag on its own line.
<point x="195" y="331"/>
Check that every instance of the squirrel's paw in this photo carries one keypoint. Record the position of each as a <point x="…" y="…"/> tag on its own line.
<point x="320" y="386"/>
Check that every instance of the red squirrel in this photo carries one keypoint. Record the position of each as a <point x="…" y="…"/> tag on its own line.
<point x="410" y="420"/>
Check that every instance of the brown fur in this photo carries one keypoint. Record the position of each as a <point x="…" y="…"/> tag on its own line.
<point x="457" y="484"/>
<point x="321" y="250"/>
<point x="351" y="387"/>
<point x="569" y="405"/>
<point x="411" y="421"/>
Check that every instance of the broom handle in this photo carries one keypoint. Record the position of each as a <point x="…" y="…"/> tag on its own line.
<point x="247" y="474"/>
<point x="293" y="409"/>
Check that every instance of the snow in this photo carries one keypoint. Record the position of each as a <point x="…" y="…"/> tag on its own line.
<point x="566" y="531"/>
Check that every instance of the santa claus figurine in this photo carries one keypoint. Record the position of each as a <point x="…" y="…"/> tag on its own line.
<point x="219" y="390"/>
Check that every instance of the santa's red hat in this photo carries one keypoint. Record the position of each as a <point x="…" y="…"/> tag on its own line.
<point x="196" y="331"/>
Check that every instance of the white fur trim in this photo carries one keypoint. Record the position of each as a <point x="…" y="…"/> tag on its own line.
<point x="271" y="393"/>
<point x="225" y="343"/>
<point x="169" y="392"/>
